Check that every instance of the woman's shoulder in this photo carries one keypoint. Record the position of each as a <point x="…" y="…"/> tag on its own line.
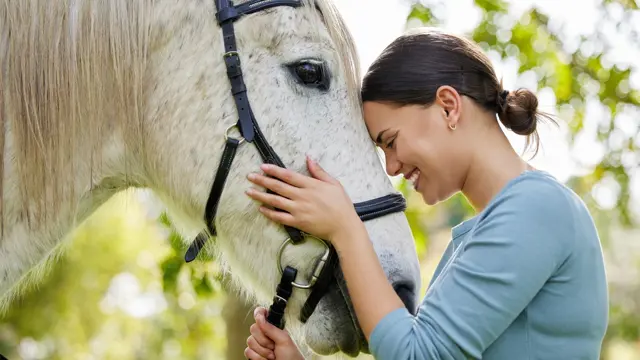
<point x="537" y="190"/>
<point x="537" y="201"/>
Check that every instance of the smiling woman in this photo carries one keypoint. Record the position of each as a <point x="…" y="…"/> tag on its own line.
<point x="524" y="278"/>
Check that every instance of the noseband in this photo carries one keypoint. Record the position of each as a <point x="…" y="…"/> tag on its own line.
<point x="250" y="132"/>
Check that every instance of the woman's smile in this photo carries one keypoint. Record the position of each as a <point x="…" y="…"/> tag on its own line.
<point x="413" y="177"/>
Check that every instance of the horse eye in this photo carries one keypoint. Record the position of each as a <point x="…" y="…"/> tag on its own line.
<point x="311" y="73"/>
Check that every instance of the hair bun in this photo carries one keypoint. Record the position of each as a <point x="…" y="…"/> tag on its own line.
<point x="518" y="111"/>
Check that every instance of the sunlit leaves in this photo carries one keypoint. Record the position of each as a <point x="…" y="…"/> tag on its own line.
<point x="491" y="5"/>
<point x="422" y="13"/>
<point x="121" y="291"/>
<point x="627" y="4"/>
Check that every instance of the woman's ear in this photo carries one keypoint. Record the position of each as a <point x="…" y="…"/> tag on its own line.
<point x="451" y="103"/>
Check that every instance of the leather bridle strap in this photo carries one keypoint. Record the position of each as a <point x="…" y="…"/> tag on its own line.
<point x="250" y="132"/>
<point x="283" y="293"/>
<point x="247" y="125"/>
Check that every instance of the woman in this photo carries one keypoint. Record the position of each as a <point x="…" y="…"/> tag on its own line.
<point x="523" y="279"/>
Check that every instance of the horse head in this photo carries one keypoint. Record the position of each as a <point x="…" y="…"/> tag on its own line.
<point x="136" y="93"/>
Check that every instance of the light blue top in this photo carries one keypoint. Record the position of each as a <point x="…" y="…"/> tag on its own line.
<point x="522" y="280"/>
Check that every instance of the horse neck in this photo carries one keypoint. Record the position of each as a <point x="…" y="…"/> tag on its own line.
<point x="29" y="241"/>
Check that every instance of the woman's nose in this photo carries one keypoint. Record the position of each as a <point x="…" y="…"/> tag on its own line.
<point x="392" y="165"/>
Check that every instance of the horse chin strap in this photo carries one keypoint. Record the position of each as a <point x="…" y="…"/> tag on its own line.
<point x="322" y="275"/>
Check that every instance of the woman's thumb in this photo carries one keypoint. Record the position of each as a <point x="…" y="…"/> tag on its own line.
<point x="278" y="336"/>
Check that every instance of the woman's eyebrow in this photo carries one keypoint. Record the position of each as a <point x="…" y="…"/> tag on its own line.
<point x="379" y="137"/>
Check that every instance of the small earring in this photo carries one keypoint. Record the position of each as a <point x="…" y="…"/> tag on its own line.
<point x="452" y="127"/>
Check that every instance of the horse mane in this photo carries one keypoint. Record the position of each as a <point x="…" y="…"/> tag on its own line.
<point x="73" y="69"/>
<point x="4" y="33"/>
<point x="72" y="72"/>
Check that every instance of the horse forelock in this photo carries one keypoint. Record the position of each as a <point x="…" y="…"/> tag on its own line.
<point x="342" y="39"/>
<point x="322" y="16"/>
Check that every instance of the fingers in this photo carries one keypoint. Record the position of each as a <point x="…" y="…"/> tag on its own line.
<point x="278" y="216"/>
<point x="279" y="337"/>
<point x="252" y="355"/>
<point x="275" y="185"/>
<point x="273" y="200"/>
<point x="262" y="340"/>
<point x="259" y="311"/>
<point x="289" y="176"/>
<point x="259" y="345"/>
<point x="260" y="316"/>
<point x="257" y="349"/>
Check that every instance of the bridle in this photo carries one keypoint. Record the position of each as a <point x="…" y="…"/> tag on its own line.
<point x="250" y="132"/>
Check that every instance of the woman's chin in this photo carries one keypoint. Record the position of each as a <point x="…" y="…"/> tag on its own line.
<point x="430" y="201"/>
<point x="428" y="197"/>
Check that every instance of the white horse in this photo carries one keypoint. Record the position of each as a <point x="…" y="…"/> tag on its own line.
<point x="99" y="96"/>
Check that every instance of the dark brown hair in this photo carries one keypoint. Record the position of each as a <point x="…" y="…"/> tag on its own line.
<point x="412" y="68"/>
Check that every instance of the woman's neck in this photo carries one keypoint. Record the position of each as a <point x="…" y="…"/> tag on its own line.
<point x="491" y="170"/>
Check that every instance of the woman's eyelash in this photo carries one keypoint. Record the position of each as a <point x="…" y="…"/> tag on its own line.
<point x="393" y="139"/>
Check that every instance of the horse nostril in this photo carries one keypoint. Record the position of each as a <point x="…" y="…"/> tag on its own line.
<point x="406" y="292"/>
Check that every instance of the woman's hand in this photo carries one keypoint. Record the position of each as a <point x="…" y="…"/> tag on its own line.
<point x="317" y="205"/>
<point x="269" y="342"/>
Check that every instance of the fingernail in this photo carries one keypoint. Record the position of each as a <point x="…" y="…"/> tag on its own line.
<point x="271" y="356"/>
<point x="251" y="176"/>
<point x="266" y="166"/>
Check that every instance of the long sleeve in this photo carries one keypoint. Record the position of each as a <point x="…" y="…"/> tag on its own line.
<point x="517" y="243"/>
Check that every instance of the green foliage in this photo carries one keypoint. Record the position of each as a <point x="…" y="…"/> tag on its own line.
<point x="628" y="4"/>
<point x="122" y="291"/>
<point x="422" y="13"/>
<point x="491" y="5"/>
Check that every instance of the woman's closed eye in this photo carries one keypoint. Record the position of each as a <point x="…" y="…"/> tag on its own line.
<point x="391" y="141"/>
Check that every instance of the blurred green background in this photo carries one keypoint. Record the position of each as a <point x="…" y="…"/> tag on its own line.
<point x="122" y="290"/>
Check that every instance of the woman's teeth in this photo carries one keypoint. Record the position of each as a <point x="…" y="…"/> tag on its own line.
<point x="414" y="178"/>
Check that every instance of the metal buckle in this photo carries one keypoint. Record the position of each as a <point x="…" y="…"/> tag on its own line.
<point x="316" y="271"/>
<point x="230" y="54"/>
<point x="278" y="298"/>
<point x="226" y="134"/>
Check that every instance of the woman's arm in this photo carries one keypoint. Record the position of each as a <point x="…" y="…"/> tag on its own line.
<point x="372" y="295"/>
<point x="516" y="245"/>
<point x="519" y="241"/>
